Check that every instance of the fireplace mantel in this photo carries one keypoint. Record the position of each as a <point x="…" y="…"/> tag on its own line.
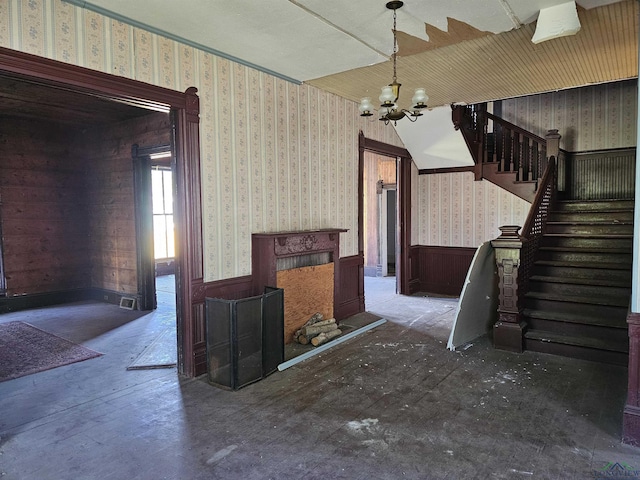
<point x="268" y="248"/>
<point x="285" y="244"/>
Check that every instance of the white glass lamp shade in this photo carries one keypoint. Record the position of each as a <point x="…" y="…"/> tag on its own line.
<point x="366" y="108"/>
<point x="419" y="99"/>
<point x="387" y="97"/>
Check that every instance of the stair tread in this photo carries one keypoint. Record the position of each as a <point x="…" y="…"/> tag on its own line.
<point x="579" y="249"/>
<point x="604" y="210"/>
<point x="595" y="265"/>
<point x="597" y="200"/>
<point x="591" y="300"/>
<point x="599" y="321"/>
<point x="590" y="222"/>
<point x="596" y="343"/>
<point x="581" y="281"/>
<point x="589" y="235"/>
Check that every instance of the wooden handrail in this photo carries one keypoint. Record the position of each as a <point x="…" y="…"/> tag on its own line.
<point x="516" y="128"/>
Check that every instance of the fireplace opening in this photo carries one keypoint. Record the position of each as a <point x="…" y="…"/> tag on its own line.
<point x="305" y="265"/>
<point x="308" y="290"/>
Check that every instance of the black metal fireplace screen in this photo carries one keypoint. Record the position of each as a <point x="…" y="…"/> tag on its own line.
<point x="245" y="338"/>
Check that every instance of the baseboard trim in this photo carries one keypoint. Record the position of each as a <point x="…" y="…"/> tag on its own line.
<point x="25" y="302"/>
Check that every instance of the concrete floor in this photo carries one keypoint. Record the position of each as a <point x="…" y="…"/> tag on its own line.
<point x="391" y="403"/>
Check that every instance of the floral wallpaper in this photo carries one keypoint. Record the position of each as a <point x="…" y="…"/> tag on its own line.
<point x="588" y="118"/>
<point x="456" y="211"/>
<point x="275" y="155"/>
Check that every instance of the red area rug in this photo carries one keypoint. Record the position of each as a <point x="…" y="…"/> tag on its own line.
<point x="25" y="349"/>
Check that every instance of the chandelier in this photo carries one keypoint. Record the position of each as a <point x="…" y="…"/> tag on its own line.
<point x="389" y="111"/>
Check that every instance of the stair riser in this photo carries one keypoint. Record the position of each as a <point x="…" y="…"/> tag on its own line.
<point x="579" y="290"/>
<point x="573" y="272"/>
<point x="588" y="310"/>
<point x="597" y="206"/>
<point x="618" y="335"/>
<point x="620" y="258"/>
<point x="572" y="242"/>
<point x="586" y="216"/>
<point x="602" y="356"/>
<point x="586" y="229"/>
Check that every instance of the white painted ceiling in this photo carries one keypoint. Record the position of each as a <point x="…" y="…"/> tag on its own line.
<point x="307" y="39"/>
<point x="480" y="50"/>
<point x="443" y="147"/>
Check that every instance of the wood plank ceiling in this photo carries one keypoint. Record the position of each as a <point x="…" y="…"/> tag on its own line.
<point x="459" y="51"/>
<point x="498" y="66"/>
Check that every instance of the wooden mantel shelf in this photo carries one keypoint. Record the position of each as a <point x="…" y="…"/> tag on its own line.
<point x="300" y="232"/>
<point x="287" y="244"/>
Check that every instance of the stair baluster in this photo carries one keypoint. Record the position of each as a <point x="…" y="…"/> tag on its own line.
<point x="508" y="149"/>
<point x="521" y="158"/>
<point x="530" y="157"/>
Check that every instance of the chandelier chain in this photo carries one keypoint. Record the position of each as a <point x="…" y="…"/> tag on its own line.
<point x="389" y="110"/>
<point x="395" y="45"/>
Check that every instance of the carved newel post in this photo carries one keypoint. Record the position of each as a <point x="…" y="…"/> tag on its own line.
<point x="631" y="416"/>
<point x="509" y="329"/>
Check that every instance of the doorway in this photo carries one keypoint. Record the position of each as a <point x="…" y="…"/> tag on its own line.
<point x="372" y="204"/>
<point x="154" y="204"/>
<point x="183" y="109"/>
<point x="388" y="231"/>
<point x="380" y="222"/>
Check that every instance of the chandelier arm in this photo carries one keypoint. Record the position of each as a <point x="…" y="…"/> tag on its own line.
<point x="411" y="117"/>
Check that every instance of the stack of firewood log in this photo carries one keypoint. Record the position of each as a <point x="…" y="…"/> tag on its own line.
<point x="317" y="331"/>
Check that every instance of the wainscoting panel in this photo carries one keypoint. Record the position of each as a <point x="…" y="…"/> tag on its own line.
<point x="440" y="270"/>
<point x="229" y="289"/>
<point x="351" y="292"/>
<point x="603" y="174"/>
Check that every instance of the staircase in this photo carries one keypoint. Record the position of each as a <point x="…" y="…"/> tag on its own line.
<point x="580" y="284"/>
<point x="509" y="156"/>
<point x="568" y="275"/>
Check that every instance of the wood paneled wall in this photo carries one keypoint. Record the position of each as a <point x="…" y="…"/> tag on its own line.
<point x="602" y="174"/>
<point x="440" y="270"/>
<point x="351" y="293"/>
<point x="110" y="197"/>
<point x="68" y="208"/>
<point x="44" y="215"/>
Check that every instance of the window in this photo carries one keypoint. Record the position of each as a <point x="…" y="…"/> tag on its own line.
<point x="162" y="198"/>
